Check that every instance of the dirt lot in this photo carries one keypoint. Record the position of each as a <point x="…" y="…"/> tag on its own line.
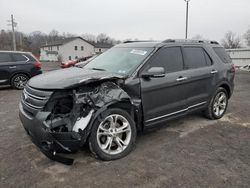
<point x="189" y="152"/>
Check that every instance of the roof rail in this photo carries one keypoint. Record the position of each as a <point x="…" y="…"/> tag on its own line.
<point x="130" y="41"/>
<point x="190" y="40"/>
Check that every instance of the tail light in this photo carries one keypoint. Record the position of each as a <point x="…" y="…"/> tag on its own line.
<point x="37" y="64"/>
<point x="232" y="68"/>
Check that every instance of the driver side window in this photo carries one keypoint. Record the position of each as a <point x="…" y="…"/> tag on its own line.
<point x="169" y="58"/>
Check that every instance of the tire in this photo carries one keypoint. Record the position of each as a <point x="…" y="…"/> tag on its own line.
<point x="18" y="81"/>
<point x="217" y="107"/>
<point x="105" y="141"/>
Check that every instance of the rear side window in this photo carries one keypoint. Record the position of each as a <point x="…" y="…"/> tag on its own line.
<point x="195" y="57"/>
<point x="19" y="57"/>
<point x="169" y="58"/>
<point x="223" y="55"/>
<point x="5" y="57"/>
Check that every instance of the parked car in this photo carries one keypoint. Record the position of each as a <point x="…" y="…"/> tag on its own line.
<point x="16" y="68"/>
<point x="129" y="88"/>
<point x="72" y="63"/>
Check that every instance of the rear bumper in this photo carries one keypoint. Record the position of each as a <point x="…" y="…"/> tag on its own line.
<point x="50" y="143"/>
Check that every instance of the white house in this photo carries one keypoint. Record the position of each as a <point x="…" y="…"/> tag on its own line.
<point x="70" y="49"/>
<point x="240" y="56"/>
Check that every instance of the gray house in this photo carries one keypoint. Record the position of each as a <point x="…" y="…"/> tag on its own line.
<point x="70" y="49"/>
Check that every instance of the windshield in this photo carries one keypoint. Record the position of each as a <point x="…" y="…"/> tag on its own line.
<point x="119" y="60"/>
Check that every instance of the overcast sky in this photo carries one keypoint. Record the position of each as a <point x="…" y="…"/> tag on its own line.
<point x="123" y="19"/>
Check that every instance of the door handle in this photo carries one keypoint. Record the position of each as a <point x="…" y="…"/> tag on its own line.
<point x="12" y="67"/>
<point x="181" y="79"/>
<point x="214" y="71"/>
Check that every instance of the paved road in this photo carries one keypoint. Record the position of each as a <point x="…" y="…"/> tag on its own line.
<point x="188" y="152"/>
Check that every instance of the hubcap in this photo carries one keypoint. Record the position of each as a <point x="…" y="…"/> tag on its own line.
<point x="220" y="103"/>
<point x="20" y="81"/>
<point x="114" y="134"/>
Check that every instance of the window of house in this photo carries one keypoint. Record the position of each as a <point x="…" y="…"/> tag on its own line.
<point x="5" y="57"/>
<point x="75" y="47"/>
<point x="195" y="57"/>
<point x="100" y="50"/>
<point x="169" y="58"/>
<point x="57" y="48"/>
<point x="82" y="48"/>
<point x="76" y="57"/>
<point x="69" y="57"/>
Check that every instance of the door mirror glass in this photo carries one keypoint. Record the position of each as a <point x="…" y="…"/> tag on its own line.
<point x="154" y="72"/>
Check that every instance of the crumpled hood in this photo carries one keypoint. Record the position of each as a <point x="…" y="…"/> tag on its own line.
<point x="68" y="78"/>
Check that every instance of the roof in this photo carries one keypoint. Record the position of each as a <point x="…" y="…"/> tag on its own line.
<point x="102" y="45"/>
<point x="66" y="40"/>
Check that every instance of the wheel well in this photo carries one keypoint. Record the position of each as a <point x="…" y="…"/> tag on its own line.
<point x="126" y="105"/>
<point x="25" y="73"/>
<point x="227" y="88"/>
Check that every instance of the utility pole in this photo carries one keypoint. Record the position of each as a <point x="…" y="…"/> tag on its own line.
<point x="186" y="33"/>
<point x="13" y="25"/>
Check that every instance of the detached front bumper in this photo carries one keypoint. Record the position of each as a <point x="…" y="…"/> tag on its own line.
<point x="50" y="143"/>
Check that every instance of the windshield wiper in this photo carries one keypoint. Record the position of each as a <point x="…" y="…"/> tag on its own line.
<point x="98" y="69"/>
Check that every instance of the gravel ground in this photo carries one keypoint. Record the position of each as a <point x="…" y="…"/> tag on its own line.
<point x="188" y="152"/>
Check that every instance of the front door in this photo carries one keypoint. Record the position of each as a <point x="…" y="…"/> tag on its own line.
<point x="164" y="97"/>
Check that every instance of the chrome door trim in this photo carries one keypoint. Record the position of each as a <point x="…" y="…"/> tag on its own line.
<point x="179" y="111"/>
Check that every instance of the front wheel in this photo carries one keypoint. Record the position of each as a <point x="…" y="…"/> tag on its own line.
<point x="113" y="135"/>
<point x="218" y="104"/>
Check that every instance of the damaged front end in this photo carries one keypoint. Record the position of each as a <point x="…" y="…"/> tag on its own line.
<point x="60" y="121"/>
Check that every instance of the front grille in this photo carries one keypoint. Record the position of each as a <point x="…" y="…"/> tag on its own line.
<point x="34" y="100"/>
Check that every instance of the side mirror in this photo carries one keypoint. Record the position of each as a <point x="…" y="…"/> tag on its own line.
<point x="154" y="72"/>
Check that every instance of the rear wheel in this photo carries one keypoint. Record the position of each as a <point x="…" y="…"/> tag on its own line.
<point x="113" y="135"/>
<point x="218" y="104"/>
<point x="18" y="81"/>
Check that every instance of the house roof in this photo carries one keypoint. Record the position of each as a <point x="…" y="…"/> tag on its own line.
<point x="66" y="40"/>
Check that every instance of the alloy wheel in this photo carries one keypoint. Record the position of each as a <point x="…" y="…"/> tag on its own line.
<point x="114" y="134"/>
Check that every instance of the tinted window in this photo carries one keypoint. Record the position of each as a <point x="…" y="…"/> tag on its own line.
<point x="19" y="57"/>
<point x="4" y="57"/>
<point x="169" y="58"/>
<point x="195" y="57"/>
<point x="222" y="54"/>
<point x="208" y="59"/>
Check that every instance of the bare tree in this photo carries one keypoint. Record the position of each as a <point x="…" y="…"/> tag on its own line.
<point x="231" y="40"/>
<point x="103" y="38"/>
<point x="247" y="37"/>
<point x="89" y="37"/>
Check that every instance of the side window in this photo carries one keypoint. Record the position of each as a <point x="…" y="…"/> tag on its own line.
<point x="82" y="48"/>
<point x="223" y="55"/>
<point x="19" y="57"/>
<point x="75" y="48"/>
<point x="5" y="57"/>
<point x="69" y="57"/>
<point x="194" y="57"/>
<point x="170" y="58"/>
<point x="208" y="59"/>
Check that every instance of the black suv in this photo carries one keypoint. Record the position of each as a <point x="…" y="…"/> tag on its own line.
<point x="129" y="88"/>
<point x="17" y="67"/>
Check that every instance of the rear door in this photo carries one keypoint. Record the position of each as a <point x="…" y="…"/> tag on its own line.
<point x="165" y="96"/>
<point x="5" y="63"/>
<point x="201" y="75"/>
